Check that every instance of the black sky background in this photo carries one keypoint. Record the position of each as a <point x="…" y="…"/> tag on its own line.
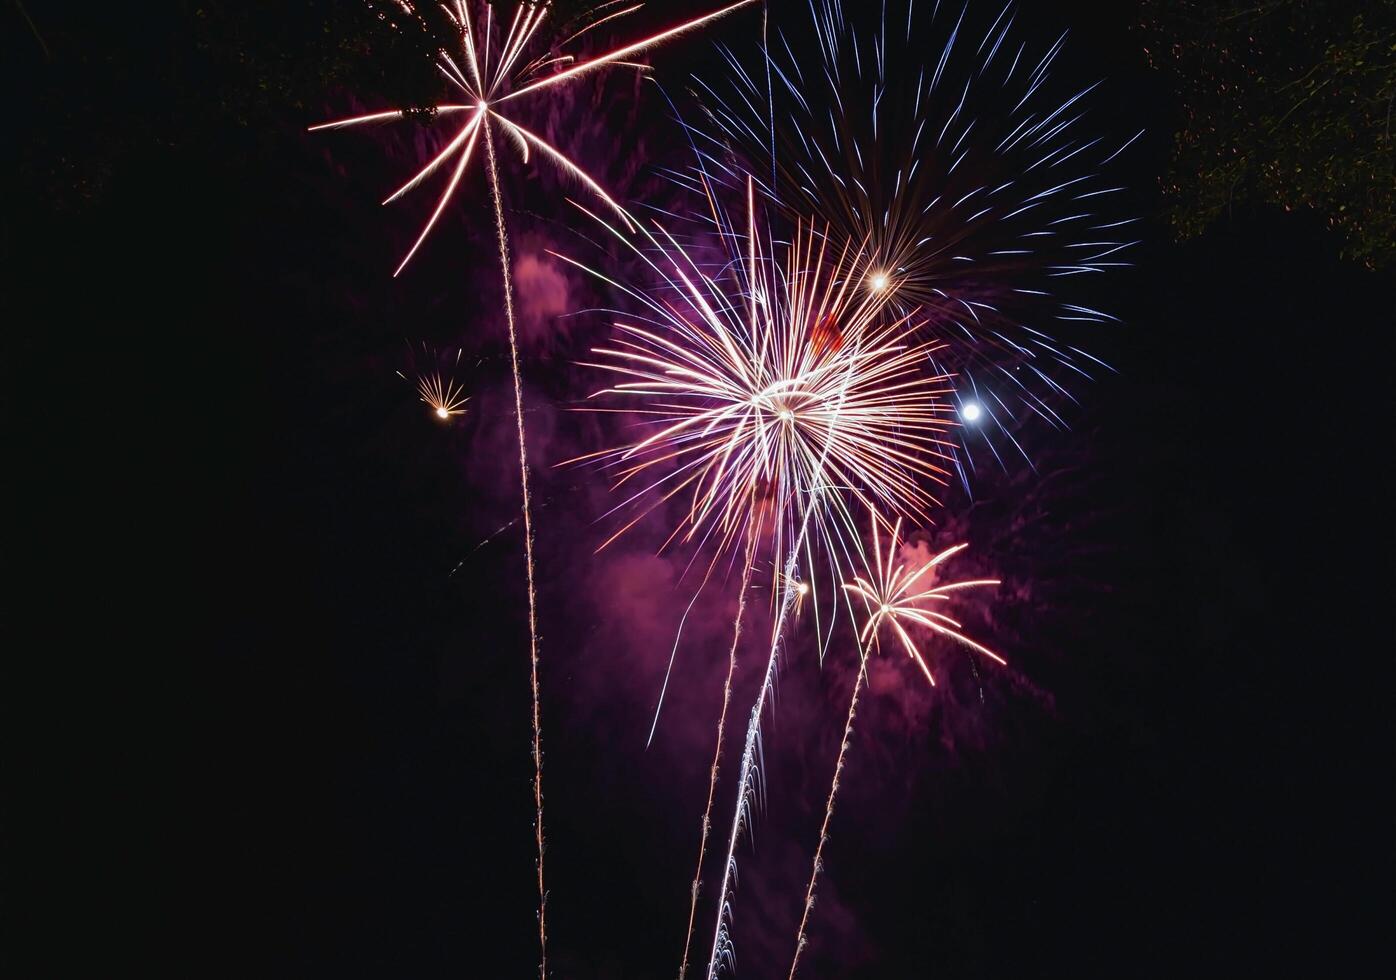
<point x="271" y="734"/>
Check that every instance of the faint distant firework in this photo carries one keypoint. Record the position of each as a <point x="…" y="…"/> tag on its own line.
<point x="440" y="391"/>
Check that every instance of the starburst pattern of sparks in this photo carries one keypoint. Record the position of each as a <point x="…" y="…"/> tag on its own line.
<point x="891" y="589"/>
<point x="774" y="382"/>
<point x="775" y="393"/>
<point x="937" y="196"/>
<point x="491" y="79"/>
<point x="894" y="596"/>
<point x="440" y="392"/>
<point x="953" y="152"/>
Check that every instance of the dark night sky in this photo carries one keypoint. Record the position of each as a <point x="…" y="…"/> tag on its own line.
<point x="275" y="735"/>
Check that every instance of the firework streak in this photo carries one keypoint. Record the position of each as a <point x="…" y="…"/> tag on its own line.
<point x="936" y="198"/>
<point x="955" y="153"/>
<point x="707" y="822"/>
<point x="493" y="78"/>
<point x="888" y="598"/>
<point x="777" y="393"/>
<point x="817" y="862"/>
<point x="443" y="395"/>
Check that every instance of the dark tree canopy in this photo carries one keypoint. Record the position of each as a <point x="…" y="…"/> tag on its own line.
<point x="1286" y="103"/>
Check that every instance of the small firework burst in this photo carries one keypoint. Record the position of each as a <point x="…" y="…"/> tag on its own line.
<point x="895" y="596"/>
<point x="437" y="387"/>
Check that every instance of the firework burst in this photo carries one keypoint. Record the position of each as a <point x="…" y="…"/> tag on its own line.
<point x="446" y="399"/>
<point x="774" y="390"/>
<point x="440" y="392"/>
<point x="893" y="593"/>
<point x="490" y="68"/>
<point x="492" y="78"/>
<point x="775" y="380"/>
<point x="893" y="596"/>
<point x="952" y="150"/>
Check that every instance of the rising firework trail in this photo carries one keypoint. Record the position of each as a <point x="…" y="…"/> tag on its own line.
<point x="893" y="595"/>
<point x="491" y="79"/>
<point x="829" y="805"/>
<point x="741" y="815"/>
<point x="774" y="392"/>
<point x="706" y="826"/>
<point x="968" y="167"/>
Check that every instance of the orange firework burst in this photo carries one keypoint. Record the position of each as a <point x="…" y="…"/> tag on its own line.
<point x="439" y="390"/>
<point x="442" y="395"/>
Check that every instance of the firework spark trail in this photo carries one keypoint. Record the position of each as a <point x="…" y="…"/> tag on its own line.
<point x="721" y="949"/>
<point x="773" y="389"/>
<point x="717" y="746"/>
<point x="753" y="733"/>
<point x="887" y="592"/>
<point x="487" y="86"/>
<point x="526" y="509"/>
<point x="829" y="805"/>
<point x="967" y="170"/>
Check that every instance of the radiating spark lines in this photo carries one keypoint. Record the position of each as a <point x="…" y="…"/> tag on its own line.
<point x="961" y="161"/>
<point x="706" y="825"/>
<point x="887" y="591"/>
<point x="493" y="78"/>
<point x="775" y="393"/>
<point x="745" y="386"/>
<point x="441" y="393"/>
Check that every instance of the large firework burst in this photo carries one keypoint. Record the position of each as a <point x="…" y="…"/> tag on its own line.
<point x="776" y="379"/>
<point x="776" y="391"/>
<point x="952" y="151"/>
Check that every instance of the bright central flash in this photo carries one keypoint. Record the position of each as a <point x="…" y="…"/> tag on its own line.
<point x="878" y="282"/>
<point x="802" y="588"/>
<point x="441" y="412"/>
<point x="970" y="412"/>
